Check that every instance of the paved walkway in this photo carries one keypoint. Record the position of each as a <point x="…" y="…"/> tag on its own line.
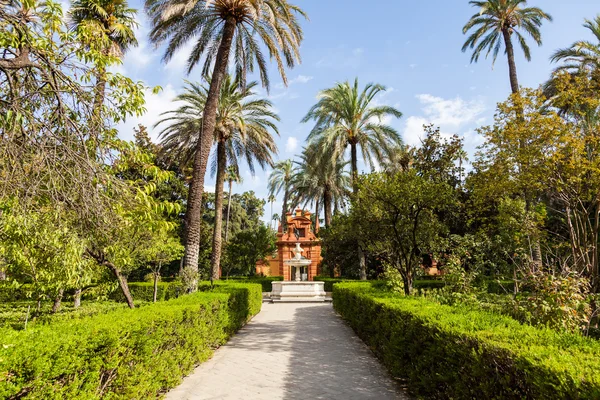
<point x="291" y="351"/>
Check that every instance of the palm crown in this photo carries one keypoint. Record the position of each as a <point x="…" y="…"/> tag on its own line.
<point x="346" y="115"/>
<point x="495" y="24"/>
<point x="111" y="20"/>
<point x="244" y="123"/>
<point x="583" y="55"/>
<point x="273" y="21"/>
<point x="279" y="181"/>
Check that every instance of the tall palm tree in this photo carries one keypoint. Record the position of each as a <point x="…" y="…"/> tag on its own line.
<point x="346" y="116"/>
<point x="232" y="174"/>
<point x="280" y="180"/>
<point x="495" y="24"/>
<point x="111" y="21"/>
<point x="243" y="130"/>
<point x="271" y="200"/>
<point x="319" y="177"/>
<point x="218" y="28"/>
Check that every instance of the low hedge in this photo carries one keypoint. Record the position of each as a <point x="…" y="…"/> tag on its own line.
<point x="417" y="284"/>
<point x="456" y="353"/>
<point x="124" y="354"/>
<point x="264" y="281"/>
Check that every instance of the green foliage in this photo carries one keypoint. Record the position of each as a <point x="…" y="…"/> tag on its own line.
<point x="457" y="352"/>
<point x="143" y="291"/>
<point x="265" y="282"/>
<point x="246" y="248"/>
<point x="125" y="353"/>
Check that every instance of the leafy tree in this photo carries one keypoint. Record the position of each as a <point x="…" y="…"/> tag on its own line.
<point x="280" y="180"/>
<point x="495" y="24"/>
<point x="247" y="247"/>
<point x="218" y="28"/>
<point x="397" y="217"/>
<point x="243" y="130"/>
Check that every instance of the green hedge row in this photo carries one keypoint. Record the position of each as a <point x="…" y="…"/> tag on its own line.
<point x="417" y="284"/>
<point x="456" y="353"/>
<point x="264" y="281"/>
<point x="124" y="354"/>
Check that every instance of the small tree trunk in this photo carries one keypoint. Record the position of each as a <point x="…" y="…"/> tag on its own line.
<point x="194" y="208"/>
<point x="215" y="258"/>
<point x="362" y="262"/>
<point x="58" y="301"/>
<point x="77" y="299"/>
<point x="155" y="293"/>
<point x="122" y="283"/>
<point x="229" y="212"/>
<point x="512" y="67"/>
<point x="407" y="280"/>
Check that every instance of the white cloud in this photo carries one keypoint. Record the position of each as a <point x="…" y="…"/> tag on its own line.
<point x="341" y="58"/>
<point x="291" y="144"/>
<point x="413" y="66"/>
<point x="451" y="115"/>
<point x="155" y="105"/>
<point x="300" y="79"/>
<point x="178" y="63"/>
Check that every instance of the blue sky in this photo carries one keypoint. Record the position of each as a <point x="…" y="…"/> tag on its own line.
<point x="413" y="48"/>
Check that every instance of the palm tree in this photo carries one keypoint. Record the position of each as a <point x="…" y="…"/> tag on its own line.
<point x="345" y="116"/>
<point x="271" y="200"/>
<point x="220" y="27"/>
<point x="495" y="23"/>
<point x="320" y="177"/>
<point x="243" y="130"/>
<point x="232" y="174"/>
<point x="280" y="180"/>
<point x="111" y="21"/>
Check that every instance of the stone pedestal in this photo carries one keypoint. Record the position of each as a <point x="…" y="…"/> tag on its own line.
<point x="302" y="291"/>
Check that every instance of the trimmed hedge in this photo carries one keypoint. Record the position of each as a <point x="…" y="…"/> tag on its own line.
<point x="456" y="353"/>
<point x="265" y="281"/>
<point x="124" y="354"/>
<point x="417" y="284"/>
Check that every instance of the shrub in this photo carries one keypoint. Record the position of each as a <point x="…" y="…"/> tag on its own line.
<point x="329" y="282"/>
<point x="265" y="281"/>
<point x="455" y="352"/>
<point x="121" y="354"/>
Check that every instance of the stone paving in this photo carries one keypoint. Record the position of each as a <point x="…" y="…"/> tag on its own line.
<point x="291" y="351"/>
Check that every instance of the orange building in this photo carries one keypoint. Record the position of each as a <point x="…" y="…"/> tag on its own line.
<point x="299" y="223"/>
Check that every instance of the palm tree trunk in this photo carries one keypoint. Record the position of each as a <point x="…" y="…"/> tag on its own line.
<point x="271" y="220"/>
<point x="512" y="67"/>
<point x="194" y="209"/>
<point x="354" y="166"/>
<point x="316" y="230"/>
<point x="229" y="212"/>
<point x="284" y="210"/>
<point x="327" y="206"/>
<point x="362" y="262"/>
<point x="215" y="258"/>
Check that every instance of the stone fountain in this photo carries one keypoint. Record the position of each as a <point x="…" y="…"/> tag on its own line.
<point x="300" y="289"/>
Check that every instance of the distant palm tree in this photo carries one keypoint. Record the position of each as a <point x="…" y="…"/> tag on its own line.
<point x="495" y="24"/>
<point x="243" y="130"/>
<point x="397" y="160"/>
<point x="232" y="174"/>
<point x="583" y="56"/>
<point x="111" y="21"/>
<point x="320" y="177"/>
<point x="271" y="200"/>
<point x="346" y="116"/>
<point x="280" y="181"/>
<point x="220" y="28"/>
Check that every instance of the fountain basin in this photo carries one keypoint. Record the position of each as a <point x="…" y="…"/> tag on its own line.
<point x="298" y="291"/>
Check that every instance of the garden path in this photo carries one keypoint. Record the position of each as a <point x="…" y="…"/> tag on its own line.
<point x="291" y="351"/>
